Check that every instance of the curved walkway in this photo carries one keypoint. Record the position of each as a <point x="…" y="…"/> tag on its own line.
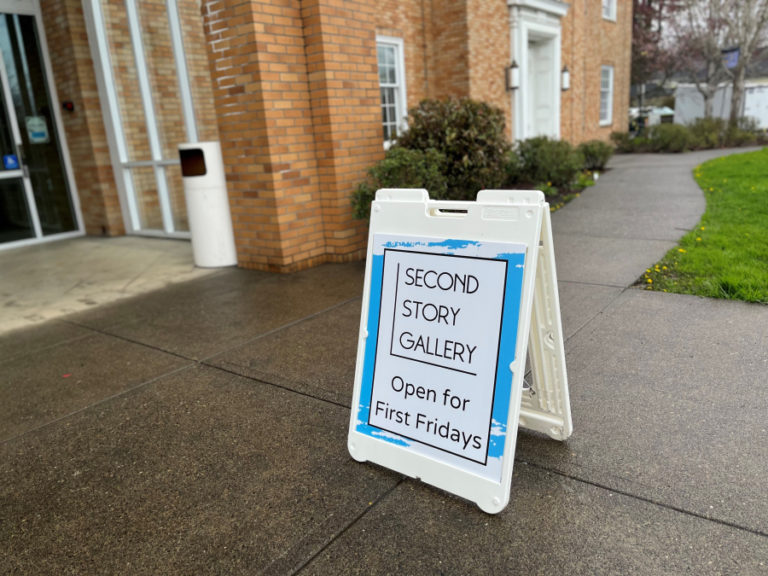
<point x="633" y="215"/>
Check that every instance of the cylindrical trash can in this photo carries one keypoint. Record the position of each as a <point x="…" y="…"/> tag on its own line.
<point x="205" y="188"/>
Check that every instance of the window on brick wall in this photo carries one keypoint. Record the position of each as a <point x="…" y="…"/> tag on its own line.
<point x="609" y="9"/>
<point x="389" y="52"/>
<point x="606" y="95"/>
<point x="152" y="59"/>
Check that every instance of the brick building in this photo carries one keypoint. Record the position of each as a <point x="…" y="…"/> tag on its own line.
<point x="303" y="97"/>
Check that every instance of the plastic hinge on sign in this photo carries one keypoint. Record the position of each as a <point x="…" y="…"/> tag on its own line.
<point x="546" y="405"/>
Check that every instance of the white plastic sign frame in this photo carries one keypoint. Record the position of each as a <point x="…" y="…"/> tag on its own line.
<point x="451" y="289"/>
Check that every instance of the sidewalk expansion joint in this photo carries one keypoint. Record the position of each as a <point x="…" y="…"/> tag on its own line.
<point x="595" y="315"/>
<point x="344" y="530"/>
<point x="582" y="283"/>
<point x="646" y="500"/>
<point x="274" y="385"/>
<point x="106" y="332"/>
<point x="282" y="327"/>
<point x="18" y="355"/>
<point x="120" y="394"/>
<point x="617" y="237"/>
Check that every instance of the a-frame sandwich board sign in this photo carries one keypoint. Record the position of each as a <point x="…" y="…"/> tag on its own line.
<point x="453" y="292"/>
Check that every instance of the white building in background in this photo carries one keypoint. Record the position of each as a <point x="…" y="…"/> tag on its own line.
<point x="689" y="103"/>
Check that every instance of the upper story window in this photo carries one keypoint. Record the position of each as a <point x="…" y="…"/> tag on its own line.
<point x="389" y="52"/>
<point x="609" y="9"/>
<point x="606" y="95"/>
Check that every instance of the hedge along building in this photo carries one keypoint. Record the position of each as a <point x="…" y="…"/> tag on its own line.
<point x="303" y="97"/>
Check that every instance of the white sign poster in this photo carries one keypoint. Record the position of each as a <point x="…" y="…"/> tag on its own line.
<point x="442" y="328"/>
<point x="37" y="130"/>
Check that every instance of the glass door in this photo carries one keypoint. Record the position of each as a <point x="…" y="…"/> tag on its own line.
<point x="35" y="196"/>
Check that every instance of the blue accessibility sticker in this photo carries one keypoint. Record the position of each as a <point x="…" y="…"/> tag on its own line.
<point x="10" y="162"/>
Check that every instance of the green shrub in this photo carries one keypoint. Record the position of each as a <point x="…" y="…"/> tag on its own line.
<point x="513" y="169"/>
<point x="469" y="134"/>
<point x="669" y="138"/>
<point x="543" y="160"/>
<point x="735" y="136"/>
<point x="701" y="134"/>
<point x="596" y="154"/>
<point x="546" y="188"/>
<point x="707" y="133"/>
<point x="584" y="180"/>
<point x="401" y="168"/>
<point x="641" y="144"/>
<point x="623" y="142"/>
<point x="748" y="124"/>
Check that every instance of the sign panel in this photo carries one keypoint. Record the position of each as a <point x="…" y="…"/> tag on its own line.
<point x="730" y="58"/>
<point x="446" y="320"/>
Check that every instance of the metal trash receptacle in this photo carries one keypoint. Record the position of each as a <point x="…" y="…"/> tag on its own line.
<point x="205" y="189"/>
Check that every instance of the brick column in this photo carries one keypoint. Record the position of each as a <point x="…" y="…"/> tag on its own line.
<point x="261" y="93"/>
<point x="344" y="84"/>
<point x="489" y="53"/>
<point x="296" y="92"/>
<point x="451" y="52"/>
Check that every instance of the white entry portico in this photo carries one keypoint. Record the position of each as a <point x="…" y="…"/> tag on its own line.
<point x="535" y="43"/>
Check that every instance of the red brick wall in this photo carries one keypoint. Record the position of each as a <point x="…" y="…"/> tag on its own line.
<point x="340" y="42"/>
<point x="84" y="128"/>
<point x="297" y="94"/>
<point x="450" y="29"/>
<point x="261" y="92"/>
<point x="452" y="47"/>
<point x="590" y="42"/>
<point x="296" y="89"/>
<point x="489" y="53"/>
<point x="411" y="20"/>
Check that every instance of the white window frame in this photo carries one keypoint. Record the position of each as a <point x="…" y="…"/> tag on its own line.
<point x="606" y="120"/>
<point x="609" y="10"/>
<point x="105" y="79"/>
<point x="401" y="97"/>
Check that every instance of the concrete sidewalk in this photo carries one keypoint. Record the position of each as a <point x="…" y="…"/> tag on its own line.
<point x="201" y="428"/>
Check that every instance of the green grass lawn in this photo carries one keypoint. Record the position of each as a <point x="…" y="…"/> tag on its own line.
<point x="726" y="255"/>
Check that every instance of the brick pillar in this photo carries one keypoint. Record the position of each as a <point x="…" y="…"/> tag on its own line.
<point x="261" y="93"/>
<point x="471" y="50"/>
<point x="296" y="93"/>
<point x="489" y="53"/>
<point x="346" y="112"/>
<point x="451" y="48"/>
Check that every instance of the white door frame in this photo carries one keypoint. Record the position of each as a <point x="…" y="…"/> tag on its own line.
<point x="531" y="20"/>
<point x="533" y="97"/>
<point x="32" y="8"/>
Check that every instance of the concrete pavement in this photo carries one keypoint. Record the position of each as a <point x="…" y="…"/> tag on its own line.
<point x="50" y="280"/>
<point x="201" y="428"/>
